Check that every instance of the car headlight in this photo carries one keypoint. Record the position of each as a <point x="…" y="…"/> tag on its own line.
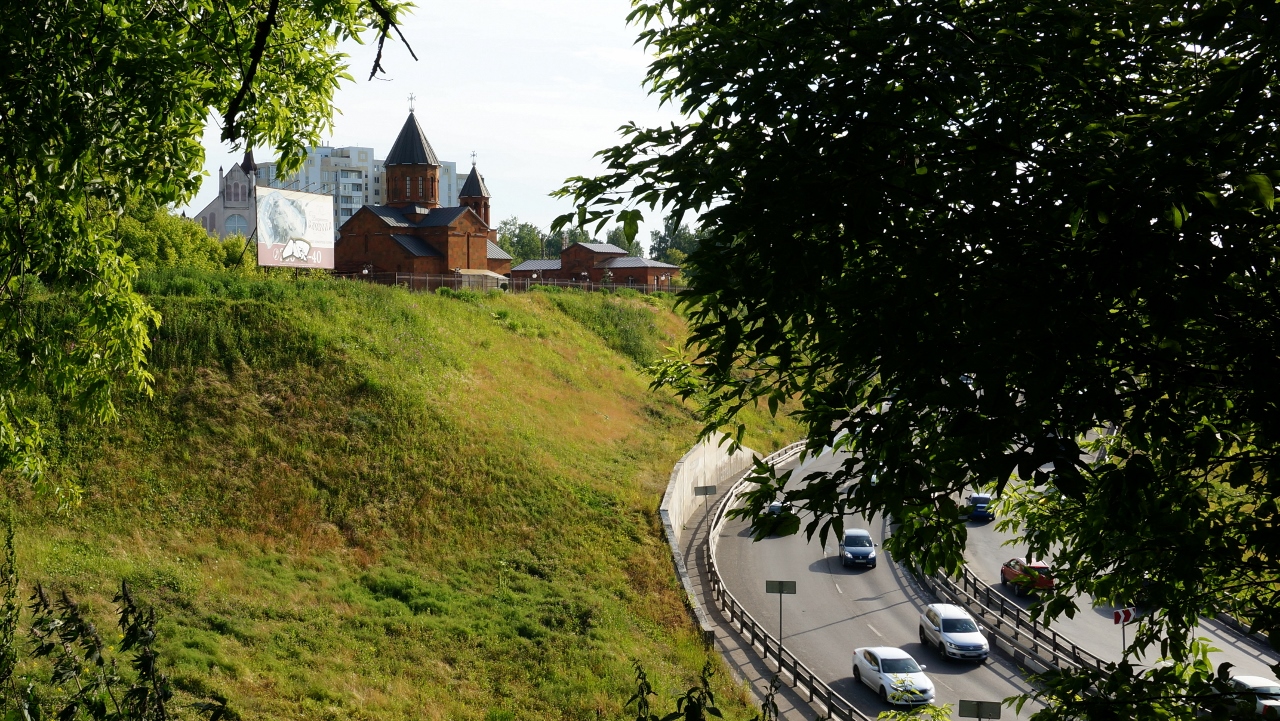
<point x="953" y="645"/>
<point x="871" y="555"/>
<point x="848" y="554"/>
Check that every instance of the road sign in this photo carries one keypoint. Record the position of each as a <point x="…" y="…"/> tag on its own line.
<point x="980" y="709"/>
<point x="704" y="490"/>
<point x="779" y="586"/>
<point x="1124" y="615"/>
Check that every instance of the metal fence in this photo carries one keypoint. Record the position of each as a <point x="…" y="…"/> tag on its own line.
<point x="790" y="668"/>
<point x="1011" y="622"/>
<point x="481" y="283"/>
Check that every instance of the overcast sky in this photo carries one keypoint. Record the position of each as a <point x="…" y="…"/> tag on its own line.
<point x="534" y="88"/>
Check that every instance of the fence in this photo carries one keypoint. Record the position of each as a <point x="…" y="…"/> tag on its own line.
<point x="1012" y="623"/>
<point x="801" y="678"/>
<point x="467" y="281"/>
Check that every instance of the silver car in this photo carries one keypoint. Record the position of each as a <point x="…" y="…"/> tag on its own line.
<point x="952" y="631"/>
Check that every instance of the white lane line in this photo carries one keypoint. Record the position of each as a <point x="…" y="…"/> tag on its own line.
<point x="838" y="588"/>
<point x="873" y="629"/>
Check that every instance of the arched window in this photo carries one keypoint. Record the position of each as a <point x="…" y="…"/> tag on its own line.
<point x="213" y="223"/>
<point x="237" y="224"/>
<point x="204" y="222"/>
<point x="407" y="190"/>
<point x="419" y="186"/>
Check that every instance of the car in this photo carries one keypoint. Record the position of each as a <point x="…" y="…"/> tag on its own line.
<point x="857" y="548"/>
<point x="953" y="632"/>
<point x="893" y="675"/>
<point x="777" y="508"/>
<point x="1026" y="575"/>
<point x="1259" y="693"/>
<point x="980" y="507"/>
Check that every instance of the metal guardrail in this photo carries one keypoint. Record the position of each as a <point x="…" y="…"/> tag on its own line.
<point x="802" y="678"/>
<point x="1012" y="623"/>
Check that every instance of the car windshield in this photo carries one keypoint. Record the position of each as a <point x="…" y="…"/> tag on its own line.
<point x="1039" y="568"/>
<point x="899" y="665"/>
<point x="959" y="625"/>
<point x="979" y="500"/>
<point x="857" y="541"/>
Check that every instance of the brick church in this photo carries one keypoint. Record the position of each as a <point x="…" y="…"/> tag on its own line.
<point x="411" y="232"/>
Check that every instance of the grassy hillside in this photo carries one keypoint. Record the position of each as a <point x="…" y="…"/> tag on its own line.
<point x="350" y="501"/>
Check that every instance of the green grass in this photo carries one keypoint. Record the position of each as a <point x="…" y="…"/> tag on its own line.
<point x="349" y="501"/>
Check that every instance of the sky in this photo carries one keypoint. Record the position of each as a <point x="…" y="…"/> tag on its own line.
<point x="534" y="88"/>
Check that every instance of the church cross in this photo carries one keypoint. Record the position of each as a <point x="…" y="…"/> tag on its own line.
<point x="412" y="97"/>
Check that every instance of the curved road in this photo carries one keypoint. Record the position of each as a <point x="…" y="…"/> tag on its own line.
<point x="836" y="610"/>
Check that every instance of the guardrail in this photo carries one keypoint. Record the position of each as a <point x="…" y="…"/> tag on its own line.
<point x="1012" y="622"/>
<point x="802" y="679"/>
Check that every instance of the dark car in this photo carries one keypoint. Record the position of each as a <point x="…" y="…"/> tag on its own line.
<point x="980" y="507"/>
<point x="1026" y="575"/>
<point x="857" y="549"/>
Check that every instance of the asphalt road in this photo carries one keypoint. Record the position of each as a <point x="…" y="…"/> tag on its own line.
<point x="1093" y="628"/>
<point x="836" y="610"/>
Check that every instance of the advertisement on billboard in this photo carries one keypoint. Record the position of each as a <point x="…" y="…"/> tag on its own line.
<point x="295" y="229"/>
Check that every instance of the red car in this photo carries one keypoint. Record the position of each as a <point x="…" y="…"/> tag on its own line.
<point x="1025" y="575"/>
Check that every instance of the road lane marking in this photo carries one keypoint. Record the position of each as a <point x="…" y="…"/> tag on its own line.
<point x="838" y="588"/>
<point x="873" y="629"/>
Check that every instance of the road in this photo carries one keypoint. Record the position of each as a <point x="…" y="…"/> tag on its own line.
<point x="1093" y="628"/>
<point x="836" y="610"/>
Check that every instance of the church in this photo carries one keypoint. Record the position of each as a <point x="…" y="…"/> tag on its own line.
<point x="411" y="232"/>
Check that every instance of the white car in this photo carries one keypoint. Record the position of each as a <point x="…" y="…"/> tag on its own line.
<point x="1261" y="694"/>
<point x="953" y="632"/>
<point x="893" y="674"/>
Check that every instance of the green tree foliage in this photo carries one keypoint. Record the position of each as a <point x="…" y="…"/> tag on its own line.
<point x="521" y="240"/>
<point x="674" y="242"/>
<point x="618" y="236"/>
<point x="156" y="239"/>
<point x="101" y="102"/>
<point x="976" y="236"/>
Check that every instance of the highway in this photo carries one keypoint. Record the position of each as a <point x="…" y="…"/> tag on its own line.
<point x="1093" y="628"/>
<point x="836" y="610"/>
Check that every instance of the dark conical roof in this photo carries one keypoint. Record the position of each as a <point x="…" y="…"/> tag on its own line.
<point x="411" y="146"/>
<point x="248" y="166"/>
<point x="474" y="187"/>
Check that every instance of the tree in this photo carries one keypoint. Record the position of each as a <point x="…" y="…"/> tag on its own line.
<point x="522" y="241"/>
<point x="992" y="241"/>
<point x="674" y="242"/>
<point x="103" y="103"/>
<point x="618" y="236"/>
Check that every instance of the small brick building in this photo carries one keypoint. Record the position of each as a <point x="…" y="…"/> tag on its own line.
<point x="412" y="233"/>
<point x="598" y="263"/>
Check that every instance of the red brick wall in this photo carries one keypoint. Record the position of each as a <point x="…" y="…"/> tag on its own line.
<point x="501" y="267"/>
<point x="426" y="177"/>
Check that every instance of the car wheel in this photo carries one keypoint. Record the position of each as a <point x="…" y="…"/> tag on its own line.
<point x="857" y="674"/>
<point x="1020" y="590"/>
<point x="942" y="649"/>
<point x="1004" y="581"/>
<point x="884" y="696"/>
<point x="923" y="640"/>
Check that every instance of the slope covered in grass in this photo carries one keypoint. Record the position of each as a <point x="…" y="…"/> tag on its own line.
<point x="350" y="501"/>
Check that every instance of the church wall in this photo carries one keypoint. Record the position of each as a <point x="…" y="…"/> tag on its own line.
<point x="423" y="188"/>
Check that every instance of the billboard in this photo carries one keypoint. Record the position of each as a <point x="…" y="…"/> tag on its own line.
<point x="295" y="229"/>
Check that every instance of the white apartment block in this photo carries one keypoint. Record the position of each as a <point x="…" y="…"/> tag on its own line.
<point x="353" y="176"/>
